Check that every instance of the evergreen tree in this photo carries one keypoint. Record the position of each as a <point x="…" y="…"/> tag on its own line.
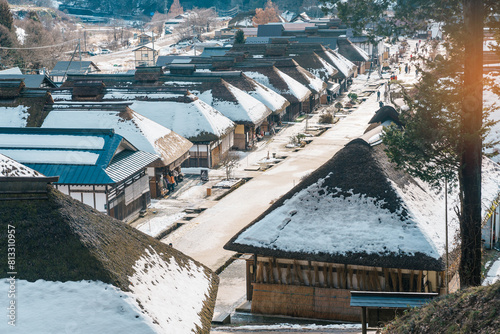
<point x="444" y="126"/>
<point x="239" y="37"/>
<point x="5" y="15"/>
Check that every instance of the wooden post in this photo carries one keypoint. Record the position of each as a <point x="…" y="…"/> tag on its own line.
<point x="363" y="320"/>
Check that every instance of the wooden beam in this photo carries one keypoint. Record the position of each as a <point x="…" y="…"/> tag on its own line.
<point x="309" y="274"/>
<point x="400" y="278"/>
<point x="419" y="282"/>
<point x="387" y="279"/>
<point x="298" y="272"/>
<point x="278" y="268"/>
<point x="376" y="278"/>
<point x="363" y="320"/>
<point x="394" y="281"/>
<point x="270" y="272"/>
<point x="325" y="277"/>
<point x="316" y="275"/>
<point x="339" y="278"/>
<point x="351" y="278"/>
<point x="289" y="278"/>
<point x="412" y="278"/>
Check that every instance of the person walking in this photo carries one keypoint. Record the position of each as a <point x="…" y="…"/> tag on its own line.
<point x="176" y="176"/>
<point x="406" y="69"/>
<point x="378" y="95"/>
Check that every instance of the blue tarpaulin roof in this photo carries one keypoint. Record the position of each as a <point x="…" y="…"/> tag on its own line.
<point x="390" y="299"/>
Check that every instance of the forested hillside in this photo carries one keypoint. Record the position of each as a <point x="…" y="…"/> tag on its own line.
<point x="148" y="7"/>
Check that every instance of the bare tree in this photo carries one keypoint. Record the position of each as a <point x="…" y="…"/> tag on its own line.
<point x="229" y="163"/>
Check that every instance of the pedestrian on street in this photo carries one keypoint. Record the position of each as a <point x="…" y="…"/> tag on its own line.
<point x="406" y="69"/>
<point x="378" y="95"/>
<point x="416" y="72"/>
<point x="176" y="176"/>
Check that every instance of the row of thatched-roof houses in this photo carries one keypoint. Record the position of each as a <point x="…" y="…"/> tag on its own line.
<point x="185" y="115"/>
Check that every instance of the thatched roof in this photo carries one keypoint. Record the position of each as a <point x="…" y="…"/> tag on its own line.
<point x="271" y="77"/>
<point x="351" y="51"/>
<point x="65" y="240"/>
<point x="231" y="101"/>
<point x="297" y="72"/>
<point x="355" y="209"/>
<point x="386" y="113"/>
<point x="140" y="131"/>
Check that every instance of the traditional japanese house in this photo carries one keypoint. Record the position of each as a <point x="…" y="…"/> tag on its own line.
<point x="354" y="54"/>
<point x="211" y="132"/>
<point x="144" y="134"/>
<point x="356" y="223"/>
<point x="97" y="167"/>
<point x="306" y="78"/>
<point x="76" y="263"/>
<point x="247" y="112"/>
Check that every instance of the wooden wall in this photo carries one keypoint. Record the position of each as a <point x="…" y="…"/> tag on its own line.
<point x="304" y="301"/>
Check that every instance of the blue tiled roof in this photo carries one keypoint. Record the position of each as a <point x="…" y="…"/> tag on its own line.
<point x="108" y="168"/>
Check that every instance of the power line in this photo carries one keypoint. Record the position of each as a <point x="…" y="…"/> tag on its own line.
<point x="39" y="47"/>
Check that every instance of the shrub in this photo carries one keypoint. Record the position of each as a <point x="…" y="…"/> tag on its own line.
<point x="326" y="118"/>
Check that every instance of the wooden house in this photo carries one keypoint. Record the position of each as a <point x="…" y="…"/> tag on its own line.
<point x="350" y="225"/>
<point x="306" y="78"/>
<point x="355" y="224"/>
<point x="247" y="112"/>
<point x="354" y="54"/>
<point x="146" y="135"/>
<point x="211" y="132"/>
<point x="96" y="167"/>
<point x="146" y="37"/>
<point x="302" y="53"/>
<point x="103" y="274"/>
<point x="145" y="56"/>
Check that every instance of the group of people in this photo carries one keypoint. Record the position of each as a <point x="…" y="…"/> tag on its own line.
<point x="170" y="179"/>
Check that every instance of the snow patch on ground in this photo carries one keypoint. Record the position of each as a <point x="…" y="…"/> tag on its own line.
<point x="493" y="274"/>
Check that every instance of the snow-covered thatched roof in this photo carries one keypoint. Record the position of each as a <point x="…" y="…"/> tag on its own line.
<point x="232" y="102"/>
<point x="12" y="168"/>
<point x="140" y="131"/>
<point x="358" y="209"/>
<point x="68" y="252"/>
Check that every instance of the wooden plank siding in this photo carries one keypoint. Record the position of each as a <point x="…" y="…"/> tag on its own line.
<point x="321" y="290"/>
<point x="340" y="276"/>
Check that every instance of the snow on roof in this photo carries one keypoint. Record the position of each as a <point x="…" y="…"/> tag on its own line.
<point x="122" y="94"/>
<point x="145" y="134"/>
<point x="362" y="52"/>
<point x="360" y="214"/>
<point x="190" y="120"/>
<point x="10" y="168"/>
<point x="492" y="99"/>
<point x="171" y="295"/>
<point x="315" y="83"/>
<point x="342" y="64"/>
<point x="87" y="306"/>
<point x="262" y="79"/>
<point x="61" y="157"/>
<point x="298" y="90"/>
<point x="359" y="210"/>
<point x="14" y="116"/>
<point x="232" y="102"/>
<point x="13" y="70"/>
<point x="254" y="111"/>
<point x="270" y="98"/>
<point x="49" y="140"/>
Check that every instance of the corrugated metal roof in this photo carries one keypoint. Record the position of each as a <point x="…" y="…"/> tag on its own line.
<point x="83" y="174"/>
<point x="127" y="163"/>
<point x="390" y="299"/>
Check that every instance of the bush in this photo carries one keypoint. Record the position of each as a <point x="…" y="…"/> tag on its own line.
<point x="326" y="118"/>
<point x="353" y="97"/>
